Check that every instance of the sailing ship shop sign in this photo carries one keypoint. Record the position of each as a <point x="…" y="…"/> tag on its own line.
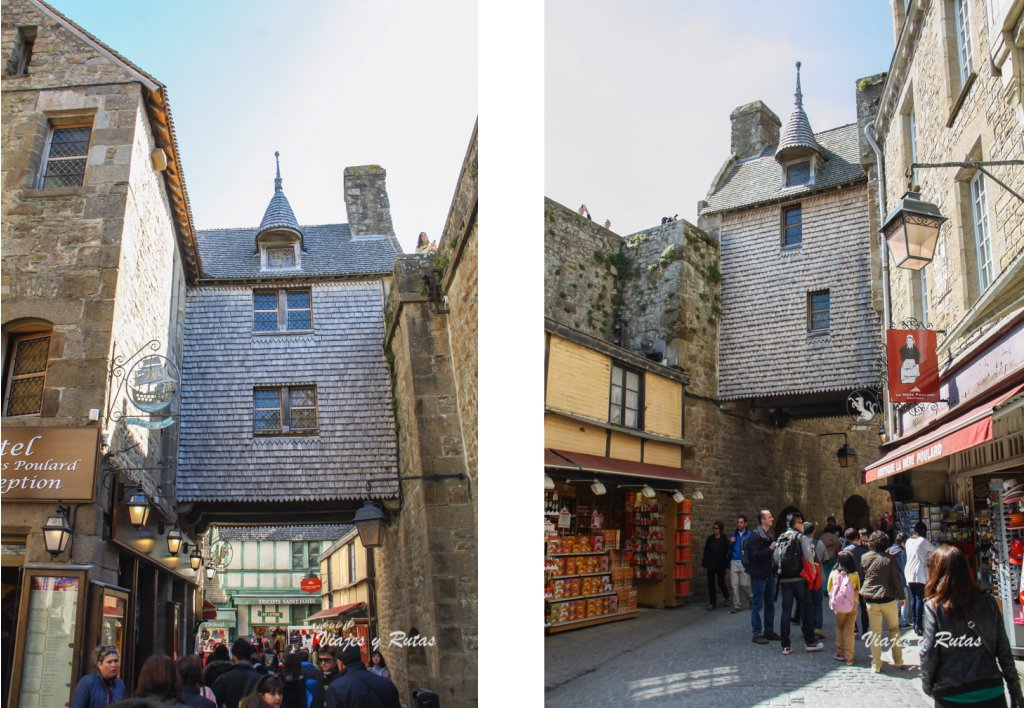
<point x="49" y="464"/>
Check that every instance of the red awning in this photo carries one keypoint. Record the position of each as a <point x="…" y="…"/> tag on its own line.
<point x="336" y="611"/>
<point x="609" y="465"/>
<point x="970" y="428"/>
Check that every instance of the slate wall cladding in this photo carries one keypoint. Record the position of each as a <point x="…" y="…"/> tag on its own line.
<point x="987" y="126"/>
<point x="219" y="456"/>
<point x="578" y="290"/>
<point x="94" y="260"/>
<point x="765" y="346"/>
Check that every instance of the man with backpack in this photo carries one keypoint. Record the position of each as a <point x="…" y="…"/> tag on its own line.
<point x="791" y="550"/>
<point x="756" y="558"/>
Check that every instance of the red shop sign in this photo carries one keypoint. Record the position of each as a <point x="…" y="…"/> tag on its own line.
<point x="310" y="585"/>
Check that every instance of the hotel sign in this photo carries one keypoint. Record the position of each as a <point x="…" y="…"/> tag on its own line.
<point x="49" y="464"/>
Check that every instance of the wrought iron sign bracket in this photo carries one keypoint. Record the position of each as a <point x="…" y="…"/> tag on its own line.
<point x="979" y="165"/>
<point x="118" y="371"/>
<point x="432" y="282"/>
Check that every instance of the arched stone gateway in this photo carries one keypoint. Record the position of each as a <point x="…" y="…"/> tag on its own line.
<point x="856" y="513"/>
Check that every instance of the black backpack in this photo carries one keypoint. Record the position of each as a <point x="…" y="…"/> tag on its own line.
<point x="745" y="551"/>
<point x="788" y="555"/>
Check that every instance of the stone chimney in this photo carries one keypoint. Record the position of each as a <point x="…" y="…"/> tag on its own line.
<point x="366" y="200"/>
<point x="754" y="127"/>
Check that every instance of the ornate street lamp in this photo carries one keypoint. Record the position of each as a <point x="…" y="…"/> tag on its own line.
<point x="138" y="510"/>
<point x="846" y="455"/>
<point x="211" y="572"/>
<point x="195" y="559"/>
<point x="911" y="230"/>
<point x="57" y="532"/>
<point x="369" y="522"/>
<point x="174" y="541"/>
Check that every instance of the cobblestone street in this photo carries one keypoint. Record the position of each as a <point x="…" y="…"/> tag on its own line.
<point x="691" y="657"/>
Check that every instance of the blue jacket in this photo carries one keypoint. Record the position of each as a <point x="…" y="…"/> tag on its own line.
<point x="91" y="692"/>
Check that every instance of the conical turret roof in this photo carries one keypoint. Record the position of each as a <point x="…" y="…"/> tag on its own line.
<point x="797" y="138"/>
<point x="279" y="214"/>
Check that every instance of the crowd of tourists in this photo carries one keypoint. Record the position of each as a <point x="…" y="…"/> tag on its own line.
<point x="876" y="582"/>
<point x="247" y="676"/>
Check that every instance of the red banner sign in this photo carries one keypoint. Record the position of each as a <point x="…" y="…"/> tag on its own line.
<point x="913" y="365"/>
<point x="310" y="585"/>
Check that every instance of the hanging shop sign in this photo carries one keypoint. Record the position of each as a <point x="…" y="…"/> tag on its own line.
<point x="152" y="386"/>
<point x="311" y="584"/>
<point x="49" y="464"/>
<point x="913" y="365"/>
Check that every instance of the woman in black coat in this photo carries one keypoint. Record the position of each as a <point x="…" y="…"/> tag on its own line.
<point x="717" y="550"/>
<point x="965" y="653"/>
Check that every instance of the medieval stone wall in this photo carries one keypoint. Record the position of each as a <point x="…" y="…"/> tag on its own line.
<point x="427" y="566"/>
<point x="581" y="260"/>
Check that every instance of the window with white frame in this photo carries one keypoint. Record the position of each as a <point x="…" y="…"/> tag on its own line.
<point x="626" y="397"/>
<point x="65" y="156"/>
<point x="964" y="49"/>
<point x="912" y="136"/>
<point x="920" y="284"/>
<point x="284" y="409"/>
<point x="982" y="238"/>
<point x="26" y="374"/>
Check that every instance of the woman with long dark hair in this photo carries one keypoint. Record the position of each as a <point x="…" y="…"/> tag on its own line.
<point x="965" y="654"/>
<point x="160" y="682"/>
<point x="267" y="694"/>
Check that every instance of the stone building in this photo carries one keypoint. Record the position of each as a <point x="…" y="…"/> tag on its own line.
<point x="97" y="243"/>
<point x="953" y="97"/>
<point x="767" y="307"/>
<point x="426" y="571"/>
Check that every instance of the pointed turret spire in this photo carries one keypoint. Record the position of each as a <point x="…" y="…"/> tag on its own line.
<point x="279" y="214"/>
<point x="797" y="137"/>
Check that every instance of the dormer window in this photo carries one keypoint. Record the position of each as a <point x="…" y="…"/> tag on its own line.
<point x="279" y="257"/>
<point x="799" y="173"/>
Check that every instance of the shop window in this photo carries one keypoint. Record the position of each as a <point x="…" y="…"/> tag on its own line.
<point x="626" y="396"/>
<point x="284" y="409"/>
<point x="792" y="225"/>
<point x="282" y="310"/>
<point x="798" y="174"/>
<point x="17" y="65"/>
<point x="26" y="374"/>
<point x="65" y="157"/>
<point x="818" y="312"/>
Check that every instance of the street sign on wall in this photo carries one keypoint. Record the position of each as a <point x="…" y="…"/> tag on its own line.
<point x="49" y="464"/>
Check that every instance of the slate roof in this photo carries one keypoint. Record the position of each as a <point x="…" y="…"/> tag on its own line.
<point x="759" y="180"/>
<point x="797" y="134"/>
<point x="284" y="533"/>
<point x="219" y="456"/>
<point x="279" y="212"/>
<point x="327" y="249"/>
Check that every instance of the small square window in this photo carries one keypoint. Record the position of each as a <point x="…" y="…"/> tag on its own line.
<point x="799" y="173"/>
<point x="282" y="310"/>
<point x="66" y="151"/>
<point x="792" y="225"/>
<point x="284" y="409"/>
<point x="818" y="311"/>
<point x="280" y="257"/>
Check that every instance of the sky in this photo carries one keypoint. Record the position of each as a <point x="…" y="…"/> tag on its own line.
<point x="328" y="83"/>
<point x="638" y="94"/>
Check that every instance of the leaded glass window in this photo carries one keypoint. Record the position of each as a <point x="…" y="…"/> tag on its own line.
<point x="284" y="409"/>
<point x="799" y="173"/>
<point x="281" y="257"/>
<point x="282" y="310"/>
<point x="27" y="375"/>
<point x="65" y="157"/>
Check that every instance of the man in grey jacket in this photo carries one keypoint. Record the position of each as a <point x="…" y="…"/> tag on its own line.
<point x="794" y="587"/>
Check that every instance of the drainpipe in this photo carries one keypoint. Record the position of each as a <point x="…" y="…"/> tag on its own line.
<point x="883" y="250"/>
